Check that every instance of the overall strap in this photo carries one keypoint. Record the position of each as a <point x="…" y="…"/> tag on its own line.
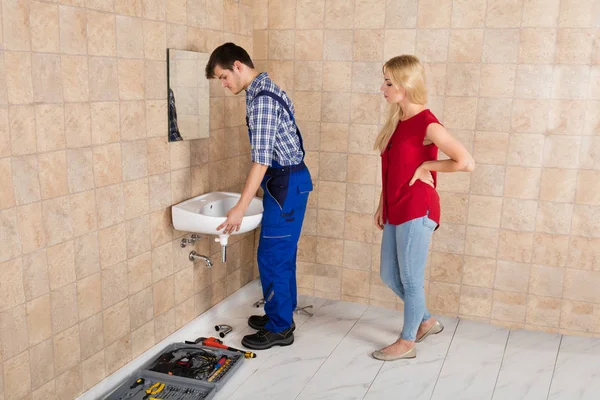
<point x="285" y="106"/>
<point x="277" y="99"/>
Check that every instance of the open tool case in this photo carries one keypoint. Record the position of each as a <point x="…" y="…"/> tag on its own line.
<point x="172" y="366"/>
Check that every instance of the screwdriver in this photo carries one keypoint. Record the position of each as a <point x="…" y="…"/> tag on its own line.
<point x="137" y="383"/>
<point x="217" y="372"/>
<point x="220" y="363"/>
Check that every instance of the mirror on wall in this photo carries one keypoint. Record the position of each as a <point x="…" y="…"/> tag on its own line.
<point x="189" y="101"/>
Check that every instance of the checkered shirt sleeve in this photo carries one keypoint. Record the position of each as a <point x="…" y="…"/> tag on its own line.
<point x="264" y="122"/>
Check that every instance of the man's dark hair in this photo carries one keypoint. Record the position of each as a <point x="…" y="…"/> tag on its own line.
<point x="224" y="56"/>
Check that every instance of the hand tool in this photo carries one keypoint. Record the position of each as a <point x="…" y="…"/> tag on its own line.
<point x="220" y="363"/>
<point x="223" y="372"/>
<point x="216" y="343"/>
<point x="137" y="383"/>
<point x="217" y="372"/>
<point x="154" y="389"/>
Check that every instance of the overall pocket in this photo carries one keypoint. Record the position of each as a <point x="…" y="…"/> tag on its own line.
<point x="305" y="187"/>
<point x="277" y="188"/>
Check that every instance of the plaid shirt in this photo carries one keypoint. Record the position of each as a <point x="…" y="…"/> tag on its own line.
<point x="273" y="135"/>
<point x="174" y="135"/>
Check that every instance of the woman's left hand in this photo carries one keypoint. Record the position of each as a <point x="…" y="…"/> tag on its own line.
<point x="422" y="175"/>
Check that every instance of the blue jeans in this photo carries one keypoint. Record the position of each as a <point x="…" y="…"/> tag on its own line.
<point x="403" y="258"/>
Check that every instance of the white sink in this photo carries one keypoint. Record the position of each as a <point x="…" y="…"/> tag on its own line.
<point x="203" y="214"/>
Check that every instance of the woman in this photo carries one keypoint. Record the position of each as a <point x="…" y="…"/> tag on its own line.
<point x="409" y="206"/>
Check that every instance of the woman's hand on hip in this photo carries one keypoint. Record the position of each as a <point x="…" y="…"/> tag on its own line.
<point x="378" y="218"/>
<point x="423" y="175"/>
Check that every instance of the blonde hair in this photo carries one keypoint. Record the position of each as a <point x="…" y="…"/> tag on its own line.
<point x="405" y="71"/>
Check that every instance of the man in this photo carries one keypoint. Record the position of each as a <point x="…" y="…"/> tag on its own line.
<point x="278" y="167"/>
<point x="174" y="135"/>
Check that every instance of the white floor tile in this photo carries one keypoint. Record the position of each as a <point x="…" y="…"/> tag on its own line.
<point x="378" y="326"/>
<point x="577" y="372"/>
<point x="527" y="367"/>
<point x="414" y="379"/>
<point x="334" y="318"/>
<point x="285" y="373"/>
<point x="473" y="362"/>
<point x="347" y="373"/>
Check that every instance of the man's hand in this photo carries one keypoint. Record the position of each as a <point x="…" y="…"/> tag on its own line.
<point x="235" y="215"/>
<point x="422" y="175"/>
<point x="233" y="221"/>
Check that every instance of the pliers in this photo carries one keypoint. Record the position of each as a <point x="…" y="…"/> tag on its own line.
<point x="154" y="389"/>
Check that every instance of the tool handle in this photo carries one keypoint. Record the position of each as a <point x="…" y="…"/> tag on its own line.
<point x="247" y="354"/>
<point x="220" y="363"/>
<point x="212" y="343"/>
<point x="137" y="383"/>
<point x="217" y="372"/>
<point x="212" y="339"/>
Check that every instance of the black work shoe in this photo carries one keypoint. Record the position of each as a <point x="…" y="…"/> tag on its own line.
<point x="264" y="339"/>
<point x="258" y="322"/>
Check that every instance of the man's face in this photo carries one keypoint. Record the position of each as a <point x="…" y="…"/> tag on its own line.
<point x="231" y="80"/>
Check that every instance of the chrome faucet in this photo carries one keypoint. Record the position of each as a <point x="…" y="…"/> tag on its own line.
<point x="197" y="257"/>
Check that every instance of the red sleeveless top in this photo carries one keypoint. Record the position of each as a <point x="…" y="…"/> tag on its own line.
<point x="404" y="153"/>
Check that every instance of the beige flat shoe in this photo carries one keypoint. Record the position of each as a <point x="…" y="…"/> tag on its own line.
<point x="434" y="330"/>
<point x="380" y="355"/>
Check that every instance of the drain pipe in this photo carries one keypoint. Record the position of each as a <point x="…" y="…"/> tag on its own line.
<point x="223" y="240"/>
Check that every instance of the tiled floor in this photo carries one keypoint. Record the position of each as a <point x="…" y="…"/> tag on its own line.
<point x="330" y="359"/>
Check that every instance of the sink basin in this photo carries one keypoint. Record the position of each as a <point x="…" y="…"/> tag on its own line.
<point x="204" y="213"/>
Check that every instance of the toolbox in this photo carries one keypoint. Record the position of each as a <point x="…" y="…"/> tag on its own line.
<point x="235" y="359"/>
<point x="173" y="367"/>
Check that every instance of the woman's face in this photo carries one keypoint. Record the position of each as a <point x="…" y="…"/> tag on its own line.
<point x="391" y="93"/>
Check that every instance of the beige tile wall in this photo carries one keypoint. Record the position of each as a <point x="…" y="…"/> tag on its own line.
<point x="518" y="81"/>
<point x="91" y="271"/>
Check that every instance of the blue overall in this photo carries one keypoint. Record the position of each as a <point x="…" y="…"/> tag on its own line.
<point x="286" y="190"/>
